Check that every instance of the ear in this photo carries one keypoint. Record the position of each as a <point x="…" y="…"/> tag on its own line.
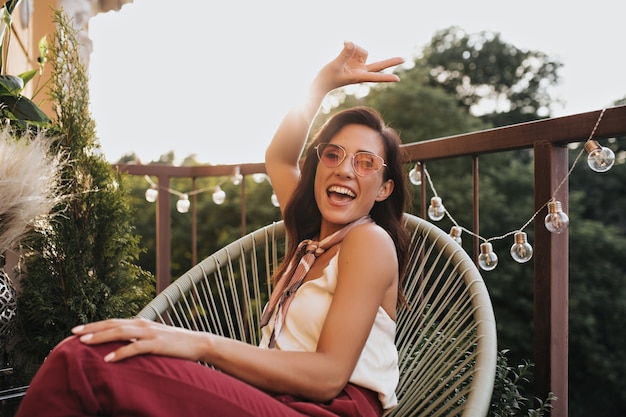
<point x="385" y="190"/>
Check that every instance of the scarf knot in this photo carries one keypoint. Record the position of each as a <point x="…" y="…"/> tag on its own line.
<point x="299" y="265"/>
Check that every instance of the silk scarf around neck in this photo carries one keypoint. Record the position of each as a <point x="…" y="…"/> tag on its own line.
<point x="299" y="265"/>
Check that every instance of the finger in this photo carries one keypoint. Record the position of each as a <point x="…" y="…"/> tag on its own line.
<point x="346" y="53"/>
<point x="378" y="77"/>
<point x="97" y="326"/>
<point x="91" y="327"/>
<point x="360" y="54"/>
<point x="352" y="51"/>
<point x="384" y="64"/>
<point x="125" y="352"/>
<point x="120" y="331"/>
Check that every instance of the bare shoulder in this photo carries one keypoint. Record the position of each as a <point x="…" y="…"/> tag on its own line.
<point x="368" y="232"/>
<point x="371" y="244"/>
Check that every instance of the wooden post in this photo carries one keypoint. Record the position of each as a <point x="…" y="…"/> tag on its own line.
<point x="551" y="280"/>
<point x="163" y="269"/>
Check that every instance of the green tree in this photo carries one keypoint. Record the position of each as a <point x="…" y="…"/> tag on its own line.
<point x="419" y="110"/>
<point x="597" y="312"/>
<point x="424" y="106"/>
<point x="80" y="266"/>
<point x="597" y="308"/>
<point x="492" y="78"/>
<point x="217" y="224"/>
<point x="453" y="79"/>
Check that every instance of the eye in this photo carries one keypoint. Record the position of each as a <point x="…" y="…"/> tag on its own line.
<point x="332" y="154"/>
<point x="366" y="161"/>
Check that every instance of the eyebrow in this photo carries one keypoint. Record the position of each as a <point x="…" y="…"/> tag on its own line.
<point x="358" y="150"/>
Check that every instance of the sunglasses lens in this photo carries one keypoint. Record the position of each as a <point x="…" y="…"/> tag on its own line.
<point x="366" y="163"/>
<point x="331" y="155"/>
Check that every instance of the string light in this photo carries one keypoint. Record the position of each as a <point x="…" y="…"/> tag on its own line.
<point x="556" y="220"/>
<point x="237" y="177"/>
<point x="260" y="177"/>
<point x="218" y="195"/>
<point x="151" y="194"/>
<point x="487" y="260"/>
<point x="415" y="175"/>
<point x="521" y="251"/>
<point x="436" y="210"/>
<point x="455" y="233"/>
<point x="274" y="199"/>
<point x="600" y="159"/>
<point x="183" y="204"/>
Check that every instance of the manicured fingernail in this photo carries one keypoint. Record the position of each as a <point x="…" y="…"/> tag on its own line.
<point x="109" y="357"/>
<point x="78" y="329"/>
<point x="86" y="337"/>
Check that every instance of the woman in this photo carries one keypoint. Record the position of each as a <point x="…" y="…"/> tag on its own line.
<point x="328" y="330"/>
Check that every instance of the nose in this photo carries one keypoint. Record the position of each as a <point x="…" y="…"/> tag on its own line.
<point x="346" y="167"/>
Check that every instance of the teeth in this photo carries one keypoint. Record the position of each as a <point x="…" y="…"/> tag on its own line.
<point x="341" y="190"/>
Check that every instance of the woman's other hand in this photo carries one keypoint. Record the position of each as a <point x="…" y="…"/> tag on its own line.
<point x="145" y="336"/>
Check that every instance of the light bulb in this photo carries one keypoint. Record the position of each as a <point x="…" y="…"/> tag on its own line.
<point x="259" y="177"/>
<point x="436" y="210"/>
<point x="274" y="199"/>
<point x="600" y="158"/>
<point x="521" y="251"/>
<point x="151" y="195"/>
<point x="219" y="196"/>
<point x="237" y="177"/>
<point x="415" y="175"/>
<point x="487" y="260"/>
<point x="455" y="233"/>
<point x="556" y="221"/>
<point x="183" y="204"/>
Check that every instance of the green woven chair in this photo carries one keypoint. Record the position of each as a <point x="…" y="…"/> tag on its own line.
<point x="446" y="338"/>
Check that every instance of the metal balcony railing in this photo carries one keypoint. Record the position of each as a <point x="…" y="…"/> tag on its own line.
<point x="548" y="139"/>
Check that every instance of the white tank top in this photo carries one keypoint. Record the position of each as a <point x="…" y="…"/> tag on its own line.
<point x="377" y="367"/>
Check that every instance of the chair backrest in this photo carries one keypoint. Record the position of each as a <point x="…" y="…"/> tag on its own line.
<point x="446" y="338"/>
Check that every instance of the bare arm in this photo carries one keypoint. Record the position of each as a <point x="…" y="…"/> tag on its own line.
<point x="283" y="152"/>
<point x="316" y="375"/>
<point x="366" y="277"/>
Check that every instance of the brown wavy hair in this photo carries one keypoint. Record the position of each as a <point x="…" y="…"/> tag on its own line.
<point x="302" y="216"/>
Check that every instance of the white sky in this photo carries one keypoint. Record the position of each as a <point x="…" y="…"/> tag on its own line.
<point x="214" y="78"/>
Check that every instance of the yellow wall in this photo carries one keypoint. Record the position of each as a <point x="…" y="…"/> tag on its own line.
<point x="22" y="56"/>
<point x="24" y="40"/>
<point x="24" y="47"/>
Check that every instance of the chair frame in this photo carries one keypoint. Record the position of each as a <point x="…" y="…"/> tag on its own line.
<point x="446" y="336"/>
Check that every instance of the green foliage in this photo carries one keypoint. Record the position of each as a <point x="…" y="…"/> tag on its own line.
<point x="17" y="108"/>
<point x="420" y="111"/>
<point x="217" y="225"/>
<point x="508" y="399"/>
<point x="485" y="72"/>
<point x="80" y="265"/>
<point x="597" y="305"/>
<point x="21" y="111"/>
<point x="429" y="103"/>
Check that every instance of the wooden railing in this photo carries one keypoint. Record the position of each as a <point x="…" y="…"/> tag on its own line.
<point x="548" y="139"/>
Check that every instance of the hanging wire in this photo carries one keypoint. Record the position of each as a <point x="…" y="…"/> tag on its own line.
<point x="186" y="195"/>
<point x="532" y="218"/>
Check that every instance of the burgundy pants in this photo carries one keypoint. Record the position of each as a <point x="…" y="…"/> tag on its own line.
<point x="75" y="381"/>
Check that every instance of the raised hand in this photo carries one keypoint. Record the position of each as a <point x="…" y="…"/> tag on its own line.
<point x="351" y="67"/>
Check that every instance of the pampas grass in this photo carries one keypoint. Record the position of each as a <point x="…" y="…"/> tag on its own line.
<point x="29" y="182"/>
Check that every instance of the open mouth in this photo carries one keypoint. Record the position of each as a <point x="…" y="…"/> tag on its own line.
<point x="340" y="194"/>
